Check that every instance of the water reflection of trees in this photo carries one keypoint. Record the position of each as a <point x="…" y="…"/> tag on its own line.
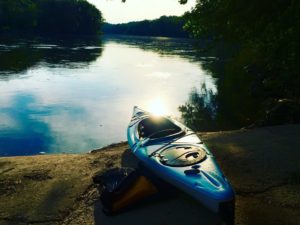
<point x="161" y="45"/>
<point x="18" y="55"/>
<point x="235" y="105"/>
<point x="200" y="111"/>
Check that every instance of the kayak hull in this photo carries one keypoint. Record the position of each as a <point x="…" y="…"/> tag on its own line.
<point x="201" y="179"/>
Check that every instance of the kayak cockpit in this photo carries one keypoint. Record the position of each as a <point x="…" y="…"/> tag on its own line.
<point x="157" y="127"/>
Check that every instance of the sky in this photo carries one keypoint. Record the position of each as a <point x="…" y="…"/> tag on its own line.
<point x="114" y="11"/>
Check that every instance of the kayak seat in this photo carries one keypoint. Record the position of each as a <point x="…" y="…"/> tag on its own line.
<point x="157" y="127"/>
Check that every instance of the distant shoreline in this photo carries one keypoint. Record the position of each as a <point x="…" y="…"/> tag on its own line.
<point x="165" y="26"/>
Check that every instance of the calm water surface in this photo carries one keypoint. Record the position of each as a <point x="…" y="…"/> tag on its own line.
<point x="76" y="95"/>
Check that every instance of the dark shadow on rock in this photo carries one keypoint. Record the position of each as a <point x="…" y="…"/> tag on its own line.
<point x="129" y="159"/>
<point x="38" y="175"/>
<point x="261" y="164"/>
<point x="179" y="209"/>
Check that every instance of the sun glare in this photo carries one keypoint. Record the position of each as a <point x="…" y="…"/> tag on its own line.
<point x="157" y="107"/>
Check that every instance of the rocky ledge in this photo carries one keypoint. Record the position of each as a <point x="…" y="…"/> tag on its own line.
<point x="262" y="165"/>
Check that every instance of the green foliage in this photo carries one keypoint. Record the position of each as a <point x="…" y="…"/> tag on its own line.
<point x="21" y="14"/>
<point x="168" y="26"/>
<point x="267" y="33"/>
<point x="257" y="64"/>
<point x="49" y="16"/>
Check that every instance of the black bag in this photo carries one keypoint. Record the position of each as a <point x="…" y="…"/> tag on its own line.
<point x="122" y="187"/>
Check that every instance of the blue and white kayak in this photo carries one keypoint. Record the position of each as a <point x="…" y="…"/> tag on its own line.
<point x="177" y="155"/>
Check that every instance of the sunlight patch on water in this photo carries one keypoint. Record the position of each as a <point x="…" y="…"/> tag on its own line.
<point x="157" y="107"/>
<point x="144" y="65"/>
<point x="160" y="75"/>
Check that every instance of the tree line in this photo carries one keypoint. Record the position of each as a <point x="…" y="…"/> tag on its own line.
<point x="267" y="34"/>
<point x="258" y="54"/>
<point x="49" y="16"/>
<point x="167" y="26"/>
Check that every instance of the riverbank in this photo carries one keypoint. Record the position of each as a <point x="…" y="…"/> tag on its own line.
<point x="262" y="165"/>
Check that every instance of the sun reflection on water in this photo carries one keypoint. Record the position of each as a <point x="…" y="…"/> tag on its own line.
<point x="157" y="107"/>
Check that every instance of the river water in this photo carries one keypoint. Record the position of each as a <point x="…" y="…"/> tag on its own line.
<point x="73" y="95"/>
